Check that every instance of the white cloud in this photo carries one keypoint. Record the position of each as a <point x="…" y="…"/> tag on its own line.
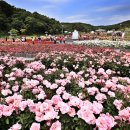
<point x="119" y="18"/>
<point x="74" y="17"/>
<point x="79" y="18"/>
<point x="110" y="20"/>
<point x="114" y="8"/>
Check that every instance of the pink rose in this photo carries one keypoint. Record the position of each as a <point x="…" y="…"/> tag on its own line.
<point x="66" y="96"/>
<point x="100" y="97"/>
<point x="56" y="99"/>
<point x="60" y="90"/>
<point x="125" y="113"/>
<point x="16" y="127"/>
<point x="111" y="94"/>
<point x="64" y="107"/>
<point x="109" y="72"/>
<point x="56" y="126"/>
<point x="87" y="115"/>
<point x="92" y="90"/>
<point x="118" y="104"/>
<point x="101" y="71"/>
<point x="23" y="105"/>
<point x="35" y="126"/>
<point x="105" y="122"/>
<point x="7" y="110"/>
<point x="75" y="101"/>
<point x="97" y="107"/>
<point x="15" y="88"/>
<point x="72" y="112"/>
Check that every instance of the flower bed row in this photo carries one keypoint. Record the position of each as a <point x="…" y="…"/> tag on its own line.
<point x="66" y="91"/>
<point x="34" y="49"/>
<point x="105" y="43"/>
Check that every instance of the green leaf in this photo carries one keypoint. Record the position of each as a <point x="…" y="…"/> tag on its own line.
<point x="7" y="121"/>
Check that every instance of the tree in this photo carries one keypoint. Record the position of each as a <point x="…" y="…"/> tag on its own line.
<point x="31" y="24"/>
<point x="13" y="31"/>
<point x="17" y="24"/>
<point x="3" y="22"/>
<point x="23" y="31"/>
<point x="5" y="8"/>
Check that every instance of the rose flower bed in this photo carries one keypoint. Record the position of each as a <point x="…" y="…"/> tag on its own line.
<point x="36" y="48"/>
<point x="66" y="91"/>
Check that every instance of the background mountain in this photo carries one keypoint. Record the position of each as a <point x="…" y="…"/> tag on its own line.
<point x="35" y="23"/>
<point x="122" y="25"/>
<point x="82" y="27"/>
<point x="87" y="27"/>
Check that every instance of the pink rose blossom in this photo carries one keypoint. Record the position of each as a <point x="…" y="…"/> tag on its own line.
<point x="35" y="126"/>
<point x="56" y="126"/>
<point x="105" y="122"/>
<point x="66" y="96"/>
<point x="111" y="94"/>
<point x="64" y="107"/>
<point x="118" y="104"/>
<point x="71" y="112"/>
<point x="16" y="127"/>
<point x="87" y="115"/>
<point x="97" y="107"/>
<point x="100" y="97"/>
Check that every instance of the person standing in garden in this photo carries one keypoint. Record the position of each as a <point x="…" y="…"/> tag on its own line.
<point x="6" y="39"/>
<point x="39" y="40"/>
<point x="63" y="39"/>
<point x="13" y="39"/>
<point x="55" y="40"/>
<point x="60" y="39"/>
<point x="33" y="39"/>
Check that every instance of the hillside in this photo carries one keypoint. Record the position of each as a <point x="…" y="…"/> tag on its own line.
<point x="122" y="25"/>
<point x="12" y="17"/>
<point x="82" y="27"/>
<point x="88" y="27"/>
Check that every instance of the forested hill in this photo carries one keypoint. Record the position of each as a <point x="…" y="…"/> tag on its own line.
<point x="122" y="25"/>
<point x="35" y="23"/>
<point x="12" y="17"/>
<point x="82" y="27"/>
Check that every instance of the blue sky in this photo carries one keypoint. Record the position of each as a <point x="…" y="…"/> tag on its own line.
<point x="95" y="12"/>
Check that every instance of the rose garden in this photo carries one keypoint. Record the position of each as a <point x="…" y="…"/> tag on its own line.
<point x="65" y="87"/>
<point x="64" y="76"/>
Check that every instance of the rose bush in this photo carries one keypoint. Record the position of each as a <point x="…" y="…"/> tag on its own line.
<point x="66" y="91"/>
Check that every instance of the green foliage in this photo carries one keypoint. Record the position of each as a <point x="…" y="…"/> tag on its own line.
<point x="73" y="88"/>
<point x="23" y="31"/>
<point x="73" y="123"/>
<point x="24" y="118"/>
<point x="122" y="70"/>
<point x="13" y="31"/>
